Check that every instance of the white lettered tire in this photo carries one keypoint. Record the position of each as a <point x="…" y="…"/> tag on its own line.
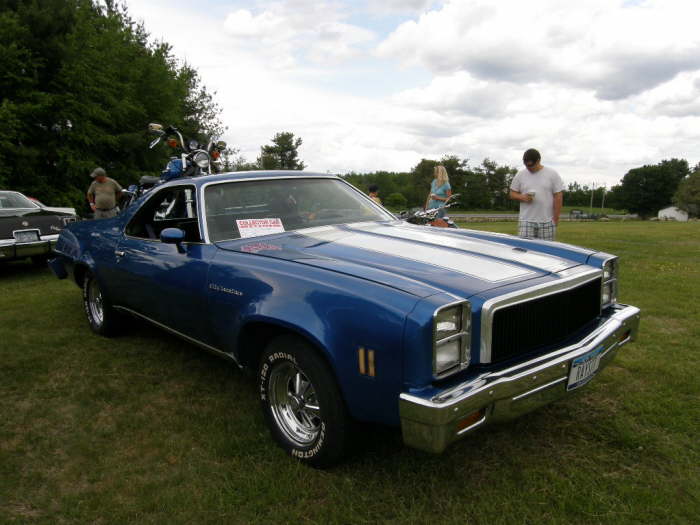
<point x="302" y="403"/>
<point x="101" y="316"/>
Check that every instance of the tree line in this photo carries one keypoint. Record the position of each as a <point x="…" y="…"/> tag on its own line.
<point x="644" y="190"/>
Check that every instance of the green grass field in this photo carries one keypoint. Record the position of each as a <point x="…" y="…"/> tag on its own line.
<point x="145" y="428"/>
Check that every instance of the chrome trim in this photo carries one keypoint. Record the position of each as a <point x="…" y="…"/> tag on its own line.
<point x="11" y="249"/>
<point x="187" y="338"/>
<point x="431" y="423"/>
<point x="569" y="279"/>
<point x="540" y="388"/>
<point x="464" y="336"/>
<point x="472" y="426"/>
<point x="204" y="186"/>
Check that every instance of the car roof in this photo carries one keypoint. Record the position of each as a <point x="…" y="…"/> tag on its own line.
<point x="248" y="175"/>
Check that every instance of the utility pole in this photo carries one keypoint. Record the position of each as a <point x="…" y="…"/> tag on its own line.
<point x="602" y="204"/>
<point x="590" y="212"/>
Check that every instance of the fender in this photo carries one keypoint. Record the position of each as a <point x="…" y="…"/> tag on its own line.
<point x="344" y="317"/>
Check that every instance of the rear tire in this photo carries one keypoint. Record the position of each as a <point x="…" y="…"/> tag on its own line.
<point x="102" y="318"/>
<point x="302" y="403"/>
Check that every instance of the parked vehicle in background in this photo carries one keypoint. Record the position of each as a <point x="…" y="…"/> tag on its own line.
<point x="28" y="229"/>
<point x="43" y="206"/>
<point x="347" y="313"/>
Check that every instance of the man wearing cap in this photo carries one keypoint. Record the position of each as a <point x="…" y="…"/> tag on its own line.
<point x="103" y="194"/>
<point x="539" y="190"/>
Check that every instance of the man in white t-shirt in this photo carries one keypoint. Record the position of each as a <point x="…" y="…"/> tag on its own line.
<point x="539" y="190"/>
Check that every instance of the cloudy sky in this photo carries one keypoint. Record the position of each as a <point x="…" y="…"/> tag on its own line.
<point x="598" y="86"/>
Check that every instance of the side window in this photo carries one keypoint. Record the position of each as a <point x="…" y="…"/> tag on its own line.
<point x="169" y="208"/>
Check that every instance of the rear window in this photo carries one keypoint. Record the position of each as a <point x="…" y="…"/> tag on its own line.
<point x="10" y="199"/>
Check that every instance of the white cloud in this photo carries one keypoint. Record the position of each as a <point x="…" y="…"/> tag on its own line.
<point x="527" y="74"/>
<point x="287" y="30"/>
<point x="399" y="6"/>
<point x="615" y="49"/>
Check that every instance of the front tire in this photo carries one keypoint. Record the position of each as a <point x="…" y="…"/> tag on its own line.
<point x="302" y="403"/>
<point x="102" y="318"/>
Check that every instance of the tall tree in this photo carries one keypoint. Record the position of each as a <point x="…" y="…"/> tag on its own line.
<point x="647" y="189"/>
<point x="282" y="154"/>
<point x="497" y="181"/>
<point x="687" y="196"/>
<point x="80" y="82"/>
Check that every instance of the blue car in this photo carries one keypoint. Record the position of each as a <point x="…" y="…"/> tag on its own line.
<point x="346" y="313"/>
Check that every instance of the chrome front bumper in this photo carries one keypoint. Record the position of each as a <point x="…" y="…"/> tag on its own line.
<point x="11" y="249"/>
<point x="432" y="423"/>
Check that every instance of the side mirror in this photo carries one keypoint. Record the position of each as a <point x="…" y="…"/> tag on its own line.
<point x="155" y="128"/>
<point x="173" y="236"/>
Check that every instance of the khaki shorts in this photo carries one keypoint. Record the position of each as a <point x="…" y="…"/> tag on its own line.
<point x="105" y="214"/>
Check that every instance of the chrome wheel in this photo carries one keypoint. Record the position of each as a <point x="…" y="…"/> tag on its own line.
<point x="294" y="404"/>
<point x="95" y="302"/>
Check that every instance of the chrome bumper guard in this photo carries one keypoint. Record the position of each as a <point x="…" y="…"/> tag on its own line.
<point x="11" y="249"/>
<point x="431" y="424"/>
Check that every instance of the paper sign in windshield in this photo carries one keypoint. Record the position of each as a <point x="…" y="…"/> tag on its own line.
<point x="256" y="227"/>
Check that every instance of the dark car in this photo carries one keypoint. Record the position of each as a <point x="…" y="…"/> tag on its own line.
<point x="348" y="314"/>
<point x="28" y="229"/>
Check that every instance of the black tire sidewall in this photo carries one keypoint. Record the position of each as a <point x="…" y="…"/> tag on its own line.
<point x="330" y="444"/>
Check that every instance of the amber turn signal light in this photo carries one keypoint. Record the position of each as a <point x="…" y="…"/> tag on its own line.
<point x="471" y="419"/>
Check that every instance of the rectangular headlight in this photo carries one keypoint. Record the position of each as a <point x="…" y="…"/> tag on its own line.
<point x="610" y="269"/>
<point x="608" y="293"/>
<point x="451" y="338"/>
<point x="447" y="323"/>
<point x="447" y="355"/>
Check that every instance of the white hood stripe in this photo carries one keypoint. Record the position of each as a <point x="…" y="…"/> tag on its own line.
<point x="544" y="262"/>
<point x="474" y="266"/>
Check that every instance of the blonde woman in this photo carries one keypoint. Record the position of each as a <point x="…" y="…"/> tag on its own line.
<point x="440" y="190"/>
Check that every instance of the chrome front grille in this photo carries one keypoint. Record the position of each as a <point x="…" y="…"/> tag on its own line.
<point x="539" y="318"/>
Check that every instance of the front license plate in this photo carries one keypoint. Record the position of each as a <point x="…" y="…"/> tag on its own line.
<point x="584" y="368"/>
<point x="27" y="236"/>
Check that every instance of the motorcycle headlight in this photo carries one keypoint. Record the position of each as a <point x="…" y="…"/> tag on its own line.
<point x="451" y="338"/>
<point x="201" y="159"/>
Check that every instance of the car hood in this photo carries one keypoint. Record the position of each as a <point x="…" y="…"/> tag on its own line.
<point x="416" y="259"/>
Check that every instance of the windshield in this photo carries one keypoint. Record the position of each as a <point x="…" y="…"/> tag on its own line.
<point x="251" y="208"/>
<point x="10" y="199"/>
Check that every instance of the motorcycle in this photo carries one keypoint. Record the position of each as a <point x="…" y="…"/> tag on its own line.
<point x="430" y="217"/>
<point x="195" y="160"/>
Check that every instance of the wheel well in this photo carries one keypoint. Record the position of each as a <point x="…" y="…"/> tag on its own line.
<point x="79" y="274"/>
<point x="255" y="337"/>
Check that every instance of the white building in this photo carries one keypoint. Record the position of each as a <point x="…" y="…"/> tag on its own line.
<point x="673" y="214"/>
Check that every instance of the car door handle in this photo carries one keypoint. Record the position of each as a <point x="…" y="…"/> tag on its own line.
<point x="119" y="253"/>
